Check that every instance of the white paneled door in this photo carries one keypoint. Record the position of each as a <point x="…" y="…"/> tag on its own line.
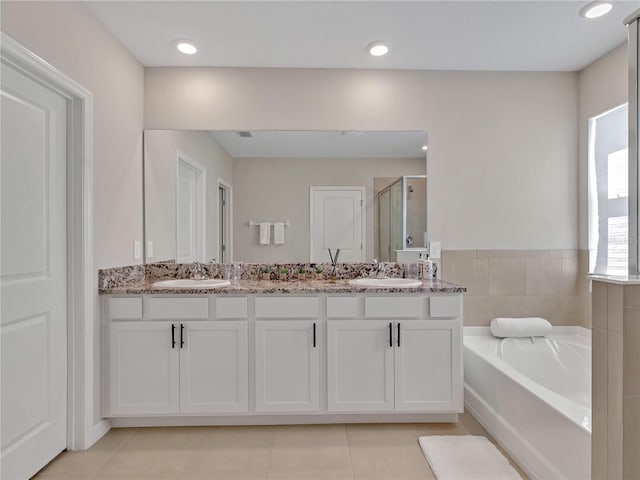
<point x="33" y="275"/>
<point x="190" y="210"/>
<point x="337" y="221"/>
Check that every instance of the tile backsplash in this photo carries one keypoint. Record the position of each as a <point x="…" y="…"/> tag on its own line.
<point x="521" y="283"/>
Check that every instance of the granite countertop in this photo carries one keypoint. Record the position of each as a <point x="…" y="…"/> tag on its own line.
<point x="243" y="287"/>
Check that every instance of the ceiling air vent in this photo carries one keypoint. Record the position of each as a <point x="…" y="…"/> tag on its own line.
<point x="245" y="134"/>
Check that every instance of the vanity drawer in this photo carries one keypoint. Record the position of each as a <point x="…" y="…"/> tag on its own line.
<point x="284" y="307"/>
<point x="393" y="307"/>
<point x="444" y="307"/>
<point x="125" y="308"/>
<point x="342" y="307"/>
<point x="178" y="308"/>
<point x="234" y="307"/>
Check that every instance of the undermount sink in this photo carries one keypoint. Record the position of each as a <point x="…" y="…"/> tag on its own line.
<point x="386" y="282"/>
<point x="191" y="283"/>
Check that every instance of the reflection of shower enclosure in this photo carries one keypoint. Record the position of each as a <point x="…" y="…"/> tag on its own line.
<point x="402" y="216"/>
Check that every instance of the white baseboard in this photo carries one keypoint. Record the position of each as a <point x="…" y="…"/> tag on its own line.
<point x="283" y="419"/>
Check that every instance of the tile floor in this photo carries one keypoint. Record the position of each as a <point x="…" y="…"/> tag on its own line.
<point x="297" y="452"/>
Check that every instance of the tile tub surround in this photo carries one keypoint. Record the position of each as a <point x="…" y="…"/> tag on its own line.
<point x="615" y="380"/>
<point x="140" y="275"/>
<point x="519" y="283"/>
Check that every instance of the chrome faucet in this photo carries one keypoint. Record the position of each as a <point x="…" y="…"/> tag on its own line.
<point x="197" y="272"/>
<point x="334" y="262"/>
<point x="380" y="267"/>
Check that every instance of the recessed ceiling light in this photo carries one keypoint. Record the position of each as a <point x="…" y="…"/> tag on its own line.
<point x="424" y="147"/>
<point x="595" y="9"/>
<point x="186" y="47"/>
<point x="377" y="49"/>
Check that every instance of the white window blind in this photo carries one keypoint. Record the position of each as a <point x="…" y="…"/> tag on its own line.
<point x="609" y="192"/>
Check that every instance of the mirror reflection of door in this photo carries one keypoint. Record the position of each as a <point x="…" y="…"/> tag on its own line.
<point x="190" y="210"/>
<point x="225" y="227"/>
<point x="337" y="221"/>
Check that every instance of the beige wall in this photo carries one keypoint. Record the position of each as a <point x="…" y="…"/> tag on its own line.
<point x="502" y="145"/>
<point x="67" y="36"/>
<point x="161" y="148"/>
<point x="602" y="86"/>
<point x="268" y="189"/>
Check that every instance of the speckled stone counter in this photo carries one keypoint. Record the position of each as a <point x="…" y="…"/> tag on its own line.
<point x="243" y="287"/>
<point x="138" y="279"/>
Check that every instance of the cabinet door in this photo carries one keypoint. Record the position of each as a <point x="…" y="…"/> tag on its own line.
<point x="143" y="369"/>
<point x="360" y="365"/>
<point x="214" y="371"/>
<point x="428" y="366"/>
<point x="287" y="369"/>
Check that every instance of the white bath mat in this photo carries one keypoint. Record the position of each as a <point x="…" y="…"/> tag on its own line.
<point x="466" y="457"/>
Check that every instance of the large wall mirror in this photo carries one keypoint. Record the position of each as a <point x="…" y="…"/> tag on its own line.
<point x="283" y="196"/>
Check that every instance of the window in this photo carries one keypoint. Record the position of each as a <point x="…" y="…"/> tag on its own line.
<point x="609" y="192"/>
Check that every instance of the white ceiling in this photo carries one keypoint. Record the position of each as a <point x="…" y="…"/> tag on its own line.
<point x="433" y="35"/>
<point x="323" y="144"/>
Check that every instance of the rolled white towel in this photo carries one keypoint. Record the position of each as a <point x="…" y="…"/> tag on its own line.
<point x="520" y="327"/>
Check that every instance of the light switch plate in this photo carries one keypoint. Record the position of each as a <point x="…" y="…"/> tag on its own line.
<point x="434" y="250"/>
<point x="136" y="250"/>
<point x="149" y="249"/>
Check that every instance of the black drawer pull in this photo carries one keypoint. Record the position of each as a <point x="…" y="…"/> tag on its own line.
<point x="314" y="334"/>
<point x="390" y="334"/>
<point x="173" y="336"/>
<point x="398" y="334"/>
<point x="181" y="335"/>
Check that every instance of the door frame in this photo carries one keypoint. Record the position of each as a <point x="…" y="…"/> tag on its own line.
<point x="82" y="319"/>
<point x="363" y="234"/>
<point x="229" y="223"/>
<point x="201" y="195"/>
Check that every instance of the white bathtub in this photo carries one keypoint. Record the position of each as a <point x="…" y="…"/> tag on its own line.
<point x="534" y="398"/>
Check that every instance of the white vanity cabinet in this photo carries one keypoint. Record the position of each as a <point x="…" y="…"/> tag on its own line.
<point x="143" y="369"/>
<point x="172" y="367"/>
<point x="427" y="361"/>
<point x="214" y="367"/>
<point x="287" y="366"/>
<point x="405" y="361"/>
<point x="287" y="369"/>
<point x="277" y="357"/>
<point x="359" y="366"/>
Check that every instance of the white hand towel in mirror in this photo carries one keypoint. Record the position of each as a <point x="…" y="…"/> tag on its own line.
<point x="265" y="233"/>
<point x="278" y="233"/>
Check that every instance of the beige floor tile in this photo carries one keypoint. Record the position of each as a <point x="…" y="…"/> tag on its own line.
<point x="61" y="476"/>
<point x="88" y="462"/>
<point x="442" y="429"/>
<point x="232" y="450"/>
<point x="225" y="475"/>
<point x="303" y="452"/>
<point x="165" y="438"/>
<point x="312" y="448"/>
<point x="311" y="475"/>
<point x="160" y="464"/>
<point x="134" y="476"/>
<point x="386" y="451"/>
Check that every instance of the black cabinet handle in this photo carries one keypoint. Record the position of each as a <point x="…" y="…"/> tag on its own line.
<point x="314" y="334"/>
<point x="390" y="334"/>
<point x="173" y="336"/>
<point x="398" y="334"/>
<point x="182" y="335"/>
